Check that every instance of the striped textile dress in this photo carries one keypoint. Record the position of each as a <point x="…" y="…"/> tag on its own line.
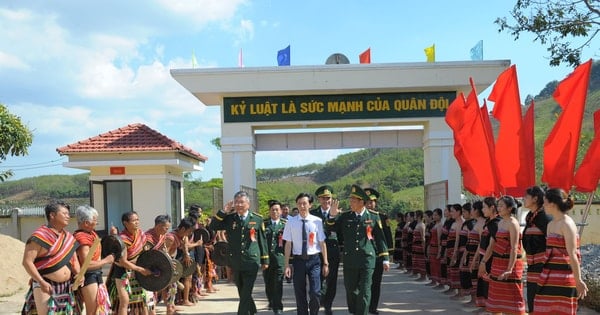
<point x="465" y="269"/>
<point x="471" y="251"/>
<point x="534" y="243"/>
<point x="453" y="272"/>
<point x="444" y="243"/>
<point x="505" y="296"/>
<point x="418" y="253"/>
<point x="489" y="228"/>
<point x="557" y="293"/>
<point x="406" y="250"/>
<point x="432" y="251"/>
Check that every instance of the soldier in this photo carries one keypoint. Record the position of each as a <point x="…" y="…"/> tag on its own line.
<point x="329" y="282"/>
<point x="248" y="246"/>
<point x="387" y="232"/>
<point x="273" y="275"/>
<point x="361" y="232"/>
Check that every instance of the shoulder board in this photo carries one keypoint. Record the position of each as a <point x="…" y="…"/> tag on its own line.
<point x="257" y="214"/>
<point x="373" y="211"/>
<point x="284" y="220"/>
<point x="266" y="220"/>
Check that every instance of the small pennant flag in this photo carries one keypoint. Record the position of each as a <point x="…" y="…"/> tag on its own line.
<point x="430" y="53"/>
<point x="194" y="61"/>
<point x="477" y="51"/>
<point x="283" y="57"/>
<point x="240" y="59"/>
<point x="365" y="56"/>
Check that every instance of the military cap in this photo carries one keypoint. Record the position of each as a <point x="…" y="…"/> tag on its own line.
<point x="324" y="191"/>
<point x="372" y="193"/>
<point x="358" y="192"/>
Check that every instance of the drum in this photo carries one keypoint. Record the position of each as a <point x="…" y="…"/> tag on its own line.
<point x="177" y="270"/>
<point x="220" y="254"/>
<point x="202" y="233"/>
<point x="187" y="270"/>
<point x="162" y="268"/>
<point x="112" y="245"/>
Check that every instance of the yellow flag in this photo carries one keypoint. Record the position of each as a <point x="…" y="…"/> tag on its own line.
<point x="194" y="61"/>
<point x="430" y="53"/>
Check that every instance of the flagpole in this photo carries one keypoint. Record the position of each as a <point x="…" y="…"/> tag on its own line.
<point x="586" y="212"/>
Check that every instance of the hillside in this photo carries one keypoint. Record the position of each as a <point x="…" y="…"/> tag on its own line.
<point x="396" y="173"/>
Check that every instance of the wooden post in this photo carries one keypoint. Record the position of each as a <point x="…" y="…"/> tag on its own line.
<point x="586" y="212"/>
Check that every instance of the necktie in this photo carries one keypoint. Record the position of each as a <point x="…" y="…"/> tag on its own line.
<point x="358" y="217"/>
<point x="304" y="241"/>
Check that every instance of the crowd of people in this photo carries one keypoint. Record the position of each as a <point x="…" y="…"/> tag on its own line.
<point x="478" y="252"/>
<point x="475" y="251"/>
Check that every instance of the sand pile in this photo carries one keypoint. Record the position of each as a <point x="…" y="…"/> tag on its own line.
<point x="12" y="274"/>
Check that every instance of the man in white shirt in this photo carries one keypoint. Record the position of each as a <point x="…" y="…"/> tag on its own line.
<point x="305" y="240"/>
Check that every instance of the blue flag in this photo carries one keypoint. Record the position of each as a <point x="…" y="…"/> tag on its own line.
<point x="477" y="51"/>
<point x="283" y="57"/>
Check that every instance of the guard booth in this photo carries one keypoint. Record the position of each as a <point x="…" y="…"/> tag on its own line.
<point x="134" y="168"/>
<point x="339" y="106"/>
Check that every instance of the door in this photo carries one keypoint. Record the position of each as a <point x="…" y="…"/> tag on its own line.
<point x="118" y="201"/>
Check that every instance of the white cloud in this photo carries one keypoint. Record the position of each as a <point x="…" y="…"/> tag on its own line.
<point x="201" y="12"/>
<point x="12" y="62"/>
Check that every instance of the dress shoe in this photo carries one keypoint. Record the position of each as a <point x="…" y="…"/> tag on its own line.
<point x="374" y="312"/>
<point x="328" y="311"/>
<point x="277" y="312"/>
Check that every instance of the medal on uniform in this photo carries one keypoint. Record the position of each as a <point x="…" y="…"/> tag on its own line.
<point x="369" y="232"/>
<point x="234" y="225"/>
<point x="253" y="234"/>
<point x="311" y="239"/>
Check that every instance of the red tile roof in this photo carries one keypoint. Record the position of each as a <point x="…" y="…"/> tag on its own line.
<point x="131" y="138"/>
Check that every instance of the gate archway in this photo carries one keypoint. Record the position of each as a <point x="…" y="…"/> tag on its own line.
<point x="312" y="98"/>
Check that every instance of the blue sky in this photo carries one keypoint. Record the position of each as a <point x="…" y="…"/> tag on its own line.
<point x="73" y="69"/>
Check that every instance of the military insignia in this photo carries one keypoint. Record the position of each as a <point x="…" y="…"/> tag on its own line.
<point x="379" y="223"/>
<point x="252" y="223"/>
<point x="234" y="225"/>
<point x="263" y="226"/>
<point x="368" y="221"/>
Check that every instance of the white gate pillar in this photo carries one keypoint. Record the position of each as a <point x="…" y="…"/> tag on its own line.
<point x="238" y="150"/>
<point x="438" y="159"/>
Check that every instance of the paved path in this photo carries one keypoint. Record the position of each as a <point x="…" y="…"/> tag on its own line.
<point x="401" y="294"/>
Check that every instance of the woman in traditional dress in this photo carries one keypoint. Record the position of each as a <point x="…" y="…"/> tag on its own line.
<point x="127" y="296"/>
<point x="418" y="246"/>
<point x="505" y="295"/>
<point x="443" y="248"/>
<point x="560" y="283"/>
<point x="398" y="240"/>
<point x="407" y="242"/>
<point x="452" y="250"/>
<point x="534" y="239"/>
<point x="466" y="254"/>
<point x="486" y="244"/>
<point x="433" y="250"/>
<point x="93" y="293"/>
<point x="472" y="248"/>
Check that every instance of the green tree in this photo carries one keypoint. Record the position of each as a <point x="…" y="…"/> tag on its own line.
<point x="566" y="27"/>
<point x="15" y="138"/>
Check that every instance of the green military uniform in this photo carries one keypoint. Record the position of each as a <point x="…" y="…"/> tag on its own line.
<point x="247" y="251"/>
<point x="363" y="241"/>
<point x="378" y="271"/>
<point x="328" y="283"/>
<point x="274" y="274"/>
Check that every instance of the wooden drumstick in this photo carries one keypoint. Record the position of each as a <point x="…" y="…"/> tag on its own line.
<point x="86" y="263"/>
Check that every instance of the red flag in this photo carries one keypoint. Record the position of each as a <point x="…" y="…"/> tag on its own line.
<point x="507" y="110"/>
<point x="588" y="174"/>
<point x="455" y="119"/>
<point x="527" y="171"/>
<point x="365" y="57"/>
<point x="560" y="148"/>
<point x="479" y="149"/>
<point x="473" y="147"/>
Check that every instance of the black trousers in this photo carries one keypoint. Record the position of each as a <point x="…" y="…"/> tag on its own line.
<point x="329" y="283"/>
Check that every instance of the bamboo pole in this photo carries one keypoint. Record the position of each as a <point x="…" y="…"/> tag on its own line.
<point x="586" y="212"/>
